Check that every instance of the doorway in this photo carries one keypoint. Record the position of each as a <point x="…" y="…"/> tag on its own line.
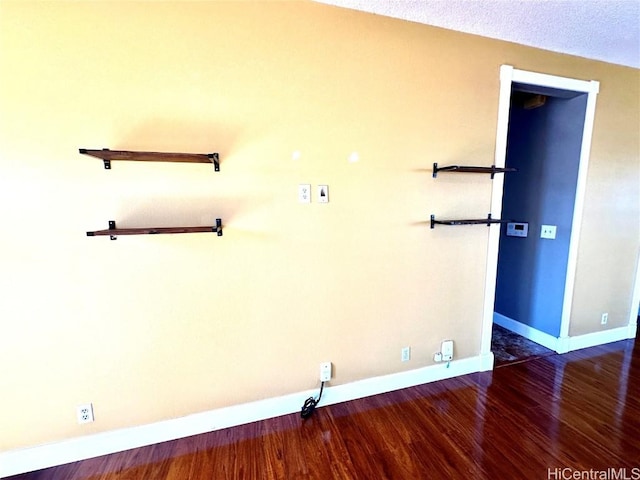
<point x="543" y="144"/>
<point x="544" y="130"/>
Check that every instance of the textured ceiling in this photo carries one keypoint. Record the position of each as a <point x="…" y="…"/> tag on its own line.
<point x="607" y="30"/>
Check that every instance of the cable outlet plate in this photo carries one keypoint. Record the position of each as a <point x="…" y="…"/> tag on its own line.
<point x="325" y="371"/>
<point x="405" y="354"/>
<point x="84" y="413"/>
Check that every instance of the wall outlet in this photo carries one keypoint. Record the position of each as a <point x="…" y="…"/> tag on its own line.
<point x="437" y="357"/>
<point x="304" y="193"/>
<point x="84" y="413"/>
<point x="325" y="371"/>
<point x="604" y="319"/>
<point x="548" y="231"/>
<point x="405" y="355"/>
<point x="447" y="350"/>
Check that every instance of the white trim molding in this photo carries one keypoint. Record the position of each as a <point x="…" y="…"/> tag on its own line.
<point x="565" y="344"/>
<point x="526" y="331"/>
<point x="506" y="74"/>
<point x="633" y="330"/>
<point x="553" y="81"/>
<point x="599" y="338"/>
<point x="23" y="460"/>
<point x="509" y="75"/>
<point x="635" y="300"/>
<point x="592" y="89"/>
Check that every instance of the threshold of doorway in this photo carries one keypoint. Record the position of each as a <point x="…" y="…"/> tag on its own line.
<point x="509" y="348"/>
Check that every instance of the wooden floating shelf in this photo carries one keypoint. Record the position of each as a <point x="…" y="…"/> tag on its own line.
<point x="481" y="221"/>
<point x="107" y="156"/>
<point x="113" y="232"/>
<point x="469" y="169"/>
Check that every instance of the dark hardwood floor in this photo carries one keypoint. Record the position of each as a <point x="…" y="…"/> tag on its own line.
<point x="530" y="420"/>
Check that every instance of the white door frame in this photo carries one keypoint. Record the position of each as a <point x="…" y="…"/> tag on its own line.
<point x="635" y="302"/>
<point x="509" y="75"/>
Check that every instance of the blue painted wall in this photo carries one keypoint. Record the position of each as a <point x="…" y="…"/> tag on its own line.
<point x="544" y="145"/>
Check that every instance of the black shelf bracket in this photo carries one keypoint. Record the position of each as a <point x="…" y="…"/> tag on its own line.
<point x="215" y="159"/>
<point x="112" y="226"/>
<point x="107" y="166"/>
<point x="112" y="223"/>
<point x="481" y="221"/>
<point x="106" y="161"/>
<point x="468" y="169"/>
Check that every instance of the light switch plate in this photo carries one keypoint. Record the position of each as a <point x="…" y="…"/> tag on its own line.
<point x="323" y="194"/>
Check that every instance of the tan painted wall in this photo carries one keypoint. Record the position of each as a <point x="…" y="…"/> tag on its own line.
<point x="155" y="327"/>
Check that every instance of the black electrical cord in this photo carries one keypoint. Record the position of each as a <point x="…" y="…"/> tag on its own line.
<point x="310" y="404"/>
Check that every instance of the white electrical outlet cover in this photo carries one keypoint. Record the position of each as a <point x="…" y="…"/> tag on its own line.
<point x="304" y="193"/>
<point x="84" y="413"/>
<point x="325" y="371"/>
<point x="548" y="231"/>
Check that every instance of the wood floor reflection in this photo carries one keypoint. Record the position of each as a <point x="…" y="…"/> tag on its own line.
<point x="577" y="411"/>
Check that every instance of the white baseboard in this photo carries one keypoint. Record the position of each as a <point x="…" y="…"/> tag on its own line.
<point x="566" y="344"/>
<point x="23" y="460"/>
<point x="526" y="331"/>
<point x="633" y="330"/>
<point x="600" y="338"/>
<point x="486" y="362"/>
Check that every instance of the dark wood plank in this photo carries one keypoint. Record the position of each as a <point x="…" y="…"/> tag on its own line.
<point x="471" y="169"/>
<point x="153" y="231"/>
<point x="475" y="221"/>
<point x="127" y="155"/>
<point x="579" y="411"/>
<point x="114" y="232"/>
